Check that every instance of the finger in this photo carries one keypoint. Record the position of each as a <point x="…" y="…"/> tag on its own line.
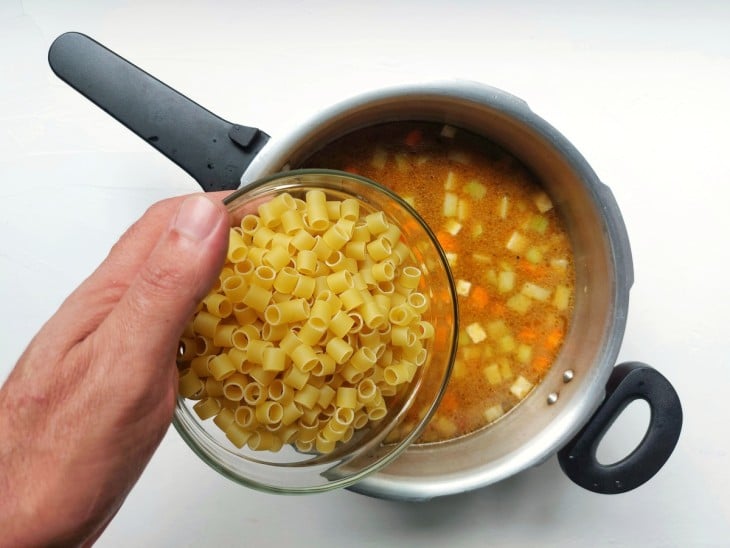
<point x="179" y="271"/>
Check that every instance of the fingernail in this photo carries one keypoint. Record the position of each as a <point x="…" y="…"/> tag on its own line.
<point x="196" y="218"/>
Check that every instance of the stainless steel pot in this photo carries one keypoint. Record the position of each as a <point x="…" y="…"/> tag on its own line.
<point x="583" y="393"/>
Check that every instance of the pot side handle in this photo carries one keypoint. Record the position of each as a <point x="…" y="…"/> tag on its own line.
<point x="628" y="382"/>
<point x="215" y="152"/>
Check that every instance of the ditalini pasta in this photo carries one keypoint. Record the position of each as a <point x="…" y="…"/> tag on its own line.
<point x="317" y="318"/>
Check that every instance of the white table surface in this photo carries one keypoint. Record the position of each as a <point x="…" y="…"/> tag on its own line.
<point x="642" y="91"/>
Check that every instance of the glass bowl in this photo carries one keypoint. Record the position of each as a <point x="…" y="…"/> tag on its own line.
<point x="371" y="448"/>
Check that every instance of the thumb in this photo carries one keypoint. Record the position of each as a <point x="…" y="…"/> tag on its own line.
<point x="180" y="270"/>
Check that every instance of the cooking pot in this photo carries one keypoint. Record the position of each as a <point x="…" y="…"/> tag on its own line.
<point x="583" y="393"/>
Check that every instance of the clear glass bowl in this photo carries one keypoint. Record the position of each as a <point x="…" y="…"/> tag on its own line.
<point x="370" y="449"/>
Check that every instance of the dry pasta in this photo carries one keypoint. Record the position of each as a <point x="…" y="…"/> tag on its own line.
<point x="317" y="318"/>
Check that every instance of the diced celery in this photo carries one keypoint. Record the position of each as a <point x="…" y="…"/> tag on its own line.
<point x="493" y="412"/>
<point x="561" y="298"/>
<point x="401" y="162"/>
<point x="463" y="287"/>
<point x="491" y="372"/>
<point x="543" y="202"/>
<point x="451" y="204"/>
<point x="477" y="230"/>
<point x="459" y="157"/>
<point x="524" y="353"/>
<point x="507" y="343"/>
<point x="539" y="223"/>
<point x="517" y="242"/>
<point x="521" y="387"/>
<point x="463" y="210"/>
<point x="476" y="332"/>
<point x="496" y="329"/>
<point x="450" y="183"/>
<point x="380" y="157"/>
<point x="535" y="291"/>
<point x="519" y="303"/>
<point x="534" y="255"/>
<point x="505" y="369"/>
<point x="503" y="207"/>
<point x="475" y="189"/>
<point x="463" y="337"/>
<point x="506" y="281"/>
<point x="448" y="132"/>
<point x="452" y="226"/>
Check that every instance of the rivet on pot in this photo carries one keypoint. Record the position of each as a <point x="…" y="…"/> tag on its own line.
<point x="552" y="398"/>
<point x="568" y="375"/>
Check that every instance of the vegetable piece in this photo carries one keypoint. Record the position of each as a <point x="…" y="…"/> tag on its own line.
<point x="451" y="204"/>
<point x="410" y="200"/>
<point x="539" y="223"/>
<point x="493" y="412"/>
<point x="507" y="343"/>
<point x="477" y="230"/>
<point x="505" y="369"/>
<point x="534" y="255"/>
<point x="496" y="329"/>
<point x="517" y="243"/>
<point x="448" y="132"/>
<point x="463" y="209"/>
<point x="505" y="281"/>
<point x="524" y="353"/>
<point x="475" y="189"/>
<point x="492" y="374"/>
<point x="471" y="352"/>
<point x="481" y="258"/>
<point x="519" y="303"/>
<point x="463" y="287"/>
<point x="503" y="207"/>
<point x="402" y="162"/>
<point x="414" y="138"/>
<point x="451" y="258"/>
<point x="479" y="296"/>
<point x="559" y="264"/>
<point x="543" y="202"/>
<point x="476" y="332"/>
<point x="535" y="291"/>
<point x="452" y="226"/>
<point x="561" y="298"/>
<point x="460" y="370"/>
<point x="459" y="157"/>
<point x="521" y="387"/>
<point x="380" y="157"/>
<point x="450" y="183"/>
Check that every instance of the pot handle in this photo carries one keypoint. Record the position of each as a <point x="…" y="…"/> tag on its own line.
<point x="215" y="152"/>
<point x="628" y="382"/>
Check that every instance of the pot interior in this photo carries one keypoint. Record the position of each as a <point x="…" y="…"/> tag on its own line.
<point x="572" y="389"/>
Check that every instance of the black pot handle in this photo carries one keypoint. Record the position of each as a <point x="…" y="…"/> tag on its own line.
<point x="628" y="382"/>
<point x="215" y="152"/>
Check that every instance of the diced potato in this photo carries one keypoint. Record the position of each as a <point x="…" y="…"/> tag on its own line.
<point x="524" y="353"/>
<point x="475" y="189"/>
<point x="539" y="224"/>
<point x="459" y="370"/>
<point x="492" y="374"/>
<point x="450" y="183"/>
<point x="451" y="258"/>
<point x="496" y="329"/>
<point x="451" y="204"/>
<point x="471" y="352"/>
<point x="452" y="226"/>
<point x="476" y="332"/>
<point x="507" y="344"/>
<point x="448" y="132"/>
<point x="519" y="303"/>
<point x="477" y="230"/>
<point x="491" y="276"/>
<point x="380" y="157"/>
<point x="422" y="160"/>
<point x="493" y="412"/>
<point x="505" y="281"/>
<point x="536" y="292"/>
<point x="521" y="387"/>
<point x="445" y="427"/>
<point x="481" y="258"/>
<point x="463" y="338"/>
<point x="559" y="264"/>
<point x="487" y="351"/>
<point x="561" y="298"/>
<point x="410" y="200"/>
<point x="463" y="209"/>
<point x="543" y="202"/>
<point x="459" y="156"/>
<point x="463" y="287"/>
<point x="517" y="243"/>
<point x="503" y="207"/>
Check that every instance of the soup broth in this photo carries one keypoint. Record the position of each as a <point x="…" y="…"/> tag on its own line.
<point x="507" y="247"/>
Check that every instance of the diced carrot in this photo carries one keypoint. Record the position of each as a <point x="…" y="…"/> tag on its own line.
<point x="447" y="241"/>
<point x="449" y="401"/>
<point x="541" y="364"/>
<point x="352" y="169"/>
<point x="527" y="335"/>
<point x="498" y="310"/>
<point x="480" y="296"/>
<point x="533" y="272"/>
<point x="554" y="338"/>
<point x="414" y="138"/>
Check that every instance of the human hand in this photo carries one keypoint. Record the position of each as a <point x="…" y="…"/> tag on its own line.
<point x="93" y="394"/>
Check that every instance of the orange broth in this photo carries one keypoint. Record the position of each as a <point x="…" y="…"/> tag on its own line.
<point x="508" y="250"/>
